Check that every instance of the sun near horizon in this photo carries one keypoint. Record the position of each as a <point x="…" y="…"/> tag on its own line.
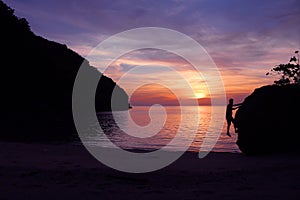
<point x="200" y="95"/>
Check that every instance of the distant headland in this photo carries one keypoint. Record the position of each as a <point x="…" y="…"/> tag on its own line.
<point x="37" y="88"/>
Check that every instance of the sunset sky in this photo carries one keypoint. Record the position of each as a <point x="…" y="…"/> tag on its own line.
<point x="244" y="38"/>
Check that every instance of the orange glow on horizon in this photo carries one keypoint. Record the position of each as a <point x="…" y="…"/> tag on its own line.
<point x="150" y="94"/>
<point x="238" y="82"/>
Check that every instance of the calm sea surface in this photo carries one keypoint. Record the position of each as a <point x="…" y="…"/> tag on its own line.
<point x="141" y="128"/>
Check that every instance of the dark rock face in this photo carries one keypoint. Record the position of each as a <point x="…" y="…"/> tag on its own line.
<point x="269" y="121"/>
<point x="37" y="77"/>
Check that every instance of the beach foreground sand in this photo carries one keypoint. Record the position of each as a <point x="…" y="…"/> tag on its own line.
<point x="65" y="171"/>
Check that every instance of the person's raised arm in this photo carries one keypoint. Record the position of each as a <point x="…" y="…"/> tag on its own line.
<point x="236" y="106"/>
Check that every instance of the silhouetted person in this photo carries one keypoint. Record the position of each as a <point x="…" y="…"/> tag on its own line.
<point x="229" y="117"/>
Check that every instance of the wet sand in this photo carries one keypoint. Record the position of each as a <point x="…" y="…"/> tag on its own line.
<point x="65" y="171"/>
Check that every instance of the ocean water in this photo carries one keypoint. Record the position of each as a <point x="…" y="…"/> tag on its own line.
<point x="171" y="127"/>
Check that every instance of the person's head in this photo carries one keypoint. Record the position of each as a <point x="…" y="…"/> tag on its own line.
<point x="231" y="101"/>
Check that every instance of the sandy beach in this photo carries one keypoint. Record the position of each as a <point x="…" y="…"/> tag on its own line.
<point x="66" y="171"/>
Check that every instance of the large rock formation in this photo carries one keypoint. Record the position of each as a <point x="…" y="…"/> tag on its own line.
<point x="37" y="77"/>
<point x="268" y="121"/>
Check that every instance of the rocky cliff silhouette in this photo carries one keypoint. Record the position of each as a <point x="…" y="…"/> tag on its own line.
<point x="37" y="77"/>
<point x="268" y="120"/>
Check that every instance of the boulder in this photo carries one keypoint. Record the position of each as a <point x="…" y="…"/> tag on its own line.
<point x="268" y="120"/>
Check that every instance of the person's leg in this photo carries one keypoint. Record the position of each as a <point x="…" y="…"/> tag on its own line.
<point x="234" y="125"/>
<point x="228" y="127"/>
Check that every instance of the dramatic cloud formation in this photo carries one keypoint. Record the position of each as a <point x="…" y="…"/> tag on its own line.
<point x="244" y="38"/>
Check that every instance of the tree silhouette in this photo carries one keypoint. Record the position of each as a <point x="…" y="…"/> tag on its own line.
<point x="290" y="72"/>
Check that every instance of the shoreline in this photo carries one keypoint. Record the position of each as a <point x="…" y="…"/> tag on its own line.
<point x="62" y="171"/>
